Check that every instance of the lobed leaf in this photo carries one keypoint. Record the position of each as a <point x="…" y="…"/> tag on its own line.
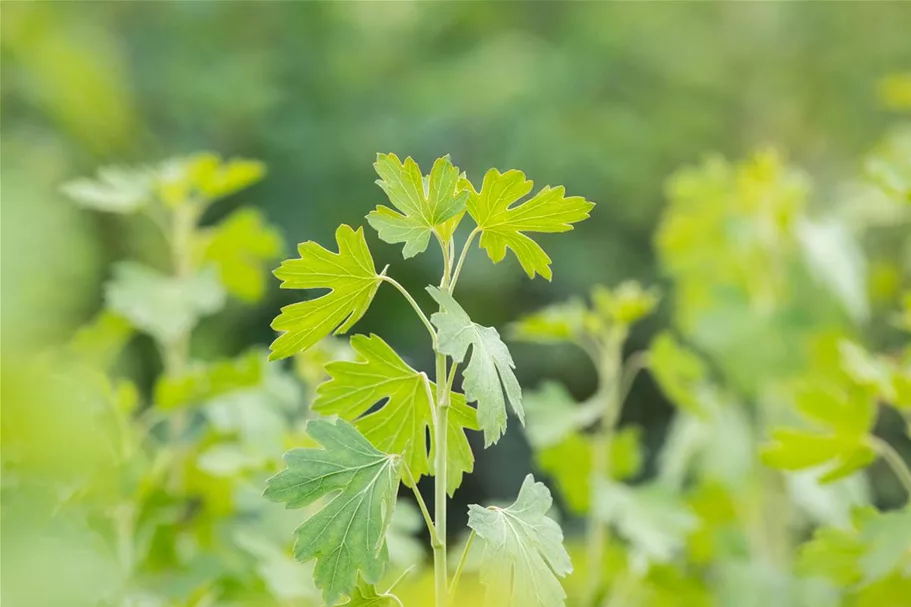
<point x="346" y="535"/>
<point x="488" y="374"/>
<point x="405" y="420"/>
<point x="424" y="204"/>
<point x="523" y="550"/>
<point x="503" y="226"/>
<point x="351" y="279"/>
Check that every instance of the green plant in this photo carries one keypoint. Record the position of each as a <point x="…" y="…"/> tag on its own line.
<point x="176" y="482"/>
<point x="387" y="409"/>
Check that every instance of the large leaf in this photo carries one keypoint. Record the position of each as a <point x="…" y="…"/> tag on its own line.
<point x="503" y="226"/>
<point x="349" y="275"/>
<point x="239" y="247"/>
<point x="424" y="205"/>
<point x="347" y="534"/>
<point x="165" y="307"/>
<point x="404" y="422"/>
<point x="488" y="374"/>
<point x="523" y="550"/>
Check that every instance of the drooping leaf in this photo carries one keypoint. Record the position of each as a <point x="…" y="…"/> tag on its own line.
<point x="523" y="550"/>
<point x="503" y="226"/>
<point x="405" y="420"/>
<point x="425" y="204"/>
<point x="651" y="517"/>
<point x="165" y="307"/>
<point x="488" y="374"/>
<point x="239" y="247"/>
<point x="347" y="534"/>
<point x="351" y="279"/>
<point x="114" y="190"/>
<point x="203" y="381"/>
<point x="678" y="371"/>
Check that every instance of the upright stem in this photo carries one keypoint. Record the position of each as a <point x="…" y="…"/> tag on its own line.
<point x="609" y="372"/>
<point x="440" y="570"/>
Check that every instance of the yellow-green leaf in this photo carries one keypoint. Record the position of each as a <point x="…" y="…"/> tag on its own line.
<point x="503" y="226"/>
<point x="204" y="381"/>
<point x="351" y="279"/>
<point x="424" y="204"/>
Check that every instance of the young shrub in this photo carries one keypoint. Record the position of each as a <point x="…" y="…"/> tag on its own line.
<point x="364" y="454"/>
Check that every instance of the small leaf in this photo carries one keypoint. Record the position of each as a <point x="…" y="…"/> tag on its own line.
<point x="205" y="177"/>
<point x="101" y="340"/>
<point x="503" y="227"/>
<point x="561" y="322"/>
<point x="679" y="373"/>
<point x="204" y="381"/>
<point x="654" y="520"/>
<point x="404" y="422"/>
<point x="366" y="595"/>
<point x="347" y="534"/>
<point x="488" y="374"/>
<point x="114" y="190"/>
<point x="523" y="550"/>
<point x="351" y="279"/>
<point x="165" y="307"/>
<point x="425" y="205"/>
<point x="552" y="414"/>
<point x="239" y="247"/>
<point x="625" y="304"/>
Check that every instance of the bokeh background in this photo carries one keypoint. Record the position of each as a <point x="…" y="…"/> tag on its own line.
<point x="609" y="100"/>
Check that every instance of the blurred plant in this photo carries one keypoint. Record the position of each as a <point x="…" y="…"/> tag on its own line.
<point x="174" y="501"/>
<point x="395" y="425"/>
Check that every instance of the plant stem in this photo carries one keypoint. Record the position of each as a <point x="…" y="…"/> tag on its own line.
<point x="895" y="462"/>
<point x="462" y="256"/>
<point x="434" y="540"/>
<point x="440" y="571"/>
<point x="458" y="572"/>
<point x="414" y="305"/>
<point x="609" y="377"/>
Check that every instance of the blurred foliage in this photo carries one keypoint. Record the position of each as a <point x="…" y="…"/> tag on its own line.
<point x="786" y="242"/>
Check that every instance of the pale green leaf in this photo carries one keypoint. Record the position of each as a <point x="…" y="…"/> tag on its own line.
<point x="165" y="307"/>
<point x="366" y="595"/>
<point x="488" y="374"/>
<point x="552" y="414"/>
<point x="205" y="177"/>
<point x="203" y="381"/>
<point x="523" y="550"/>
<point x="346" y="535"/>
<point x="651" y="517"/>
<point x="679" y="373"/>
<point x="114" y="190"/>
<point x="424" y="204"/>
<point x="503" y="226"/>
<point x="239" y="247"/>
<point x="887" y="542"/>
<point x="351" y="279"/>
<point x="102" y="339"/>
<point x="560" y="322"/>
<point x="405" y="420"/>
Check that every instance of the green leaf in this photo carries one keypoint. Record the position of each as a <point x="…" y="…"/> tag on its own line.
<point x="366" y="595"/>
<point x="405" y="420"/>
<point x="425" y="205"/>
<point x="488" y="374"/>
<point x="523" y="550"/>
<point x="679" y="373"/>
<point x="204" y="177"/>
<point x="101" y="340"/>
<point x="165" y="307"/>
<point x="347" y="534"/>
<point x="651" y="517"/>
<point x="349" y="275"/>
<point x="625" y="304"/>
<point x="561" y="322"/>
<point x="239" y="247"/>
<point x="204" y="381"/>
<point x="114" y="190"/>
<point x="887" y="543"/>
<point x="552" y="414"/>
<point x="503" y="227"/>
